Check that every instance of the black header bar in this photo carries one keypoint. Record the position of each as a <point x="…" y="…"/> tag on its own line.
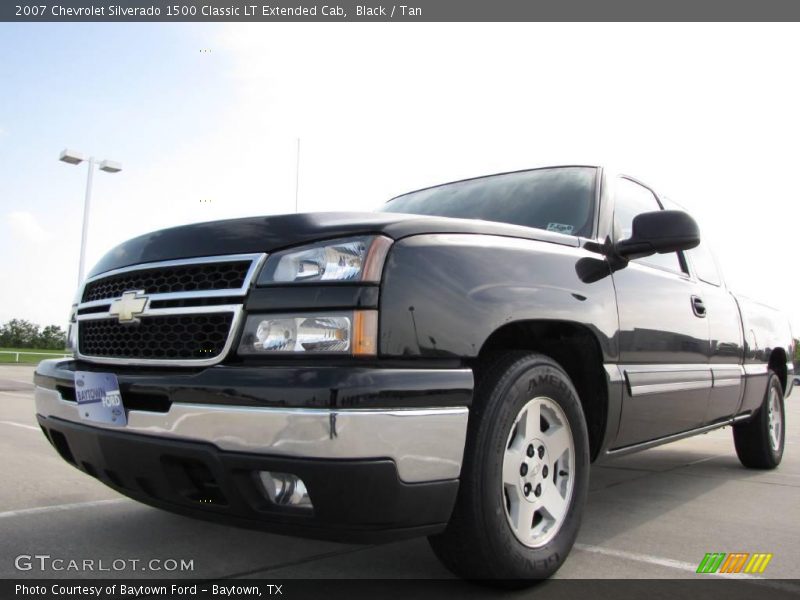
<point x="408" y="11"/>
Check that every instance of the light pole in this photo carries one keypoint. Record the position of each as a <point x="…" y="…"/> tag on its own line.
<point x="297" y="176"/>
<point x="109" y="166"/>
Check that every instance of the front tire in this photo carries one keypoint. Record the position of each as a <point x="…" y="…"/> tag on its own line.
<point x="525" y="474"/>
<point x="759" y="442"/>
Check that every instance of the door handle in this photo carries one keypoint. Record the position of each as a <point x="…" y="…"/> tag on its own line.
<point x="698" y="307"/>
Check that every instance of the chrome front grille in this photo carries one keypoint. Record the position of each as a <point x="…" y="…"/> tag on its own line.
<point x="162" y="280"/>
<point x="183" y="312"/>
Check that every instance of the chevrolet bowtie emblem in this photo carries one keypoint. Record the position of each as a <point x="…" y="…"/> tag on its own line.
<point x="129" y="306"/>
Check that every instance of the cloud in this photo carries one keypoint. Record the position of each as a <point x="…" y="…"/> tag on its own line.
<point x="24" y="225"/>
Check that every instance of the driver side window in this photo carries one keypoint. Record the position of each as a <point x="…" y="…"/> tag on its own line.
<point x="632" y="199"/>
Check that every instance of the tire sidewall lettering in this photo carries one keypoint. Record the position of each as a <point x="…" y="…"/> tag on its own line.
<point x="541" y="380"/>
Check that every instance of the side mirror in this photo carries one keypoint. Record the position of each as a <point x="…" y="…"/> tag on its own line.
<point x="660" y="231"/>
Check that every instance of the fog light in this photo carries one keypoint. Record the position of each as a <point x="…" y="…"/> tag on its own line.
<point x="285" y="489"/>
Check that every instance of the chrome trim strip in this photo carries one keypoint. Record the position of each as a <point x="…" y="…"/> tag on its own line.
<point x="234" y="292"/>
<point x="426" y="444"/>
<point x="727" y="375"/>
<point x="755" y="369"/>
<point x="165" y="312"/>
<point x="659" y="379"/>
<point x="732" y="371"/>
<point x="718" y="383"/>
<point x="666" y="368"/>
<point x="661" y="388"/>
<point x="614" y="373"/>
<point x="237" y="310"/>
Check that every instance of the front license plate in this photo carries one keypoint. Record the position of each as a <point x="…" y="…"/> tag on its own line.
<point x="99" y="399"/>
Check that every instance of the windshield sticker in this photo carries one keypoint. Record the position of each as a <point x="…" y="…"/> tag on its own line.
<point x="560" y="228"/>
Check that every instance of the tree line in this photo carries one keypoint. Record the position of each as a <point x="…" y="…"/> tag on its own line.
<point x="796" y="357"/>
<point x="19" y="333"/>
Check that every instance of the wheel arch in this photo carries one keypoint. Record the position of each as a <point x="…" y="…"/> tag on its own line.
<point x="777" y="363"/>
<point x="573" y="346"/>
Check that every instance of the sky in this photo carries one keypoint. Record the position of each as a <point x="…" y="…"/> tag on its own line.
<point x="205" y="120"/>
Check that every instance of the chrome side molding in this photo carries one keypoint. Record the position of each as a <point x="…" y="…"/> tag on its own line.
<point x="659" y="379"/>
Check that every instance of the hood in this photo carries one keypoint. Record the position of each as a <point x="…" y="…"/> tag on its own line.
<point x="268" y="234"/>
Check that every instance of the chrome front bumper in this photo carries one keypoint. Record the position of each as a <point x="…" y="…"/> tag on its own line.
<point x="426" y="444"/>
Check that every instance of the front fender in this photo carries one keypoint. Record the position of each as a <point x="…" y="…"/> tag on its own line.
<point x="443" y="295"/>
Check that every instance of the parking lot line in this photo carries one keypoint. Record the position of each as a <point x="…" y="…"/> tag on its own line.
<point x="684" y="566"/>
<point x="31" y="427"/>
<point x="25" y="381"/>
<point x="645" y="558"/>
<point x="25" y="395"/>
<point x="23" y="512"/>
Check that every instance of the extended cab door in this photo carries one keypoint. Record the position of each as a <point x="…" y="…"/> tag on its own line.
<point x="726" y="352"/>
<point x="663" y="337"/>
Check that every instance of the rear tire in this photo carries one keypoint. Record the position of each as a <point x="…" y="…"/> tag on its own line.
<point x="759" y="441"/>
<point x="525" y="474"/>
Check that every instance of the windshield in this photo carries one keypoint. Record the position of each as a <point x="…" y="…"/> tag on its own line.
<point x="556" y="199"/>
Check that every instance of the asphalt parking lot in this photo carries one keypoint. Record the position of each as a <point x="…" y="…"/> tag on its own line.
<point x="650" y="515"/>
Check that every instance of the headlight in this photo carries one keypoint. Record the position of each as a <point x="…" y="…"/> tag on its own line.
<point x="358" y="259"/>
<point x="352" y="332"/>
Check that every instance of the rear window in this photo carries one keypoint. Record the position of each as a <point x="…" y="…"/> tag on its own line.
<point x="557" y="199"/>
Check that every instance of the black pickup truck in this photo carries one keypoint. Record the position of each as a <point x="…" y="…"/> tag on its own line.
<point x="448" y="366"/>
